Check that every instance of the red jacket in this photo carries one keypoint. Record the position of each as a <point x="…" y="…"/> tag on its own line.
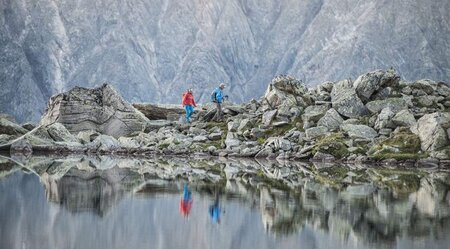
<point x="188" y="99"/>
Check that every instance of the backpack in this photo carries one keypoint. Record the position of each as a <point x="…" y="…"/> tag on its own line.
<point x="213" y="96"/>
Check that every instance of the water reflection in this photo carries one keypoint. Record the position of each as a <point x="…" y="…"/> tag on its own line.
<point x="186" y="201"/>
<point x="214" y="209"/>
<point x="318" y="211"/>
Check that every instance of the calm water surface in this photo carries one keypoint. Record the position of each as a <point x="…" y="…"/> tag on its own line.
<point x="116" y="209"/>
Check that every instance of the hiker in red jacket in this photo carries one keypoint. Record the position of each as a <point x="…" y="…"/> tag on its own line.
<point x="189" y="104"/>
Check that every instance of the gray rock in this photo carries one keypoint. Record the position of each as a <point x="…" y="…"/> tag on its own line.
<point x="232" y="140"/>
<point x="283" y="90"/>
<point x="87" y="136"/>
<point x="404" y="118"/>
<point x="215" y="136"/>
<point x="426" y="100"/>
<point x="312" y="114"/>
<point x="366" y="84"/>
<point x="384" y="119"/>
<point x="101" y="109"/>
<point x="154" y="125"/>
<point x="443" y="90"/>
<point x="59" y="133"/>
<point x="332" y="120"/>
<point x="160" y="112"/>
<point x="427" y="86"/>
<point x="430" y="131"/>
<point x="278" y="144"/>
<point x="359" y="131"/>
<point x="105" y="143"/>
<point x="314" y="132"/>
<point x="233" y="125"/>
<point x="257" y="133"/>
<point x="345" y="100"/>
<point x="396" y="105"/>
<point x="245" y="124"/>
<point x="268" y="117"/>
<point x="9" y="128"/>
<point x="200" y="139"/>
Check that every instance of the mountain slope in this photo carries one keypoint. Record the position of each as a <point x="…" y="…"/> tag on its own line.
<point x="151" y="50"/>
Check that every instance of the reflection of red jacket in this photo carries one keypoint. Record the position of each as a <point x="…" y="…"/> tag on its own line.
<point x="188" y="99"/>
<point x="185" y="207"/>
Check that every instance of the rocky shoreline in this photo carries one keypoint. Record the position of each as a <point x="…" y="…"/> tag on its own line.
<point x="375" y="118"/>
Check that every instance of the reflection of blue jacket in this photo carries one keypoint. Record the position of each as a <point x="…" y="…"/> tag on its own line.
<point x="219" y="95"/>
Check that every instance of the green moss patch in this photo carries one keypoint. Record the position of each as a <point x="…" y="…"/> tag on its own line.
<point x="332" y="144"/>
<point x="405" y="142"/>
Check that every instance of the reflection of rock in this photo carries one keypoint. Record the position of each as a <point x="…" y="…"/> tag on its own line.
<point x="80" y="188"/>
<point x="364" y="211"/>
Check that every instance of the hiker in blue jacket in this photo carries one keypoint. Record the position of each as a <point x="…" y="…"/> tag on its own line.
<point x="218" y="97"/>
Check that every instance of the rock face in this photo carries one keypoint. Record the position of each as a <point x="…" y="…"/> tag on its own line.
<point x="100" y="109"/>
<point x="167" y="46"/>
<point x="346" y="101"/>
<point x="430" y="130"/>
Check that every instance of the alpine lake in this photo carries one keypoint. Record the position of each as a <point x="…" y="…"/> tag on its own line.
<point x="174" y="202"/>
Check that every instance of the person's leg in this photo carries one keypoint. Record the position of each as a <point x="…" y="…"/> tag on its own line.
<point x="189" y="112"/>
<point x="219" y="112"/>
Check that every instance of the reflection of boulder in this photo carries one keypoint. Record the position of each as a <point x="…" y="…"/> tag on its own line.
<point x="97" y="191"/>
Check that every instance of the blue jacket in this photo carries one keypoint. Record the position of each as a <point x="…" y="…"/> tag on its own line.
<point x="219" y="95"/>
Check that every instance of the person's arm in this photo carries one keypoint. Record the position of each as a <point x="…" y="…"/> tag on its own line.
<point x="193" y="101"/>
<point x="183" y="100"/>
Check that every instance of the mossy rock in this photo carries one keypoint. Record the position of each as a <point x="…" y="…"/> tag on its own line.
<point x="332" y="144"/>
<point x="406" y="143"/>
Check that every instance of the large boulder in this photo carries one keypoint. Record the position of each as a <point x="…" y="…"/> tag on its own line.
<point x="283" y="90"/>
<point x="367" y="84"/>
<point x="345" y="100"/>
<point x="431" y="131"/>
<point x="101" y="109"/>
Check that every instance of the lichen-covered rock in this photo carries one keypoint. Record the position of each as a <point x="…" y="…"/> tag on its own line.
<point x="396" y="105"/>
<point x="431" y="132"/>
<point x="404" y="118"/>
<point x="232" y="140"/>
<point x="283" y="90"/>
<point x="367" y="84"/>
<point x="101" y="109"/>
<point x="345" y="100"/>
<point x="9" y="128"/>
<point x="359" y="131"/>
<point x="384" y="119"/>
<point x="312" y="114"/>
<point x="315" y="132"/>
<point x="268" y="117"/>
<point x="59" y="133"/>
<point x="105" y="143"/>
<point x="331" y="120"/>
